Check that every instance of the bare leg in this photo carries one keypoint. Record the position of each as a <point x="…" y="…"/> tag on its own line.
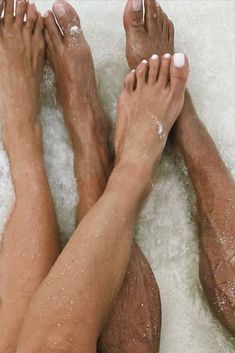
<point x="89" y="127"/>
<point x="74" y="300"/>
<point x="30" y="244"/>
<point x="212" y="182"/>
<point x="215" y="191"/>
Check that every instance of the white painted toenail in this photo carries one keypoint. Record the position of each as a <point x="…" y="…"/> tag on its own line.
<point x="133" y="70"/>
<point x="167" y="56"/>
<point x="144" y="61"/>
<point x="59" y="10"/>
<point x="154" y="57"/>
<point x="46" y="14"/>
<point x="157" y="3"/>
<point x="137" y="5"/>
<point x="179" y="59"/>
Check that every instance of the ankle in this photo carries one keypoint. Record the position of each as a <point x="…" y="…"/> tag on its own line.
<point x="132" y="180"/>
<point x="23" y="138"/>
<point x="184" y="126"/>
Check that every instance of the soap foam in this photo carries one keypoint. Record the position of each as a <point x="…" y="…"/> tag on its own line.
<point x="166" y="228"/>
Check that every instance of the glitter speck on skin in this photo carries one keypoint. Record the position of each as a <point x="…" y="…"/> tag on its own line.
<point x="75" y="30"/>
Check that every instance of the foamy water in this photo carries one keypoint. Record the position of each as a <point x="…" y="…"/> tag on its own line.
<point x="166" y="228"/>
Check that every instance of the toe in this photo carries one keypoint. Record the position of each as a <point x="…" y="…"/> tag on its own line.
<point x="130" y="81"/>
<point x="164" y="70"/>
<point x="49" y="42"/>
<point x="1" y="6"/>
<point x="141" y="72"/>
<point x="9" y="9"/>
<point x="133" y="14"/>
<point x="31" y="16"/>
<point x="165" y="26"/>
<point x="154" y="63"/>
<point x="179" y="72"/>
<point x="68" y="19"/>
<point x="171" y="33"/>
<point x="159" y="18"/>
<point x="53" y="29"/>
<point x="39" y="34"/>
<point x="150" y="16"/>
<point x="21" y="8"/>
<point x="39" y="27"/>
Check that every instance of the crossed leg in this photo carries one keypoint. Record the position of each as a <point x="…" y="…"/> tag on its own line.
<point x="138" y="303"/>
<point x="30" y="243"/>
<point x="69" y="309"/>
<point x="212" y="181"/>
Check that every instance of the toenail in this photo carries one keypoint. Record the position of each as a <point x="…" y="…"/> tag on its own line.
<point x="179" y="59"/>
<point x="154" y="57"/>
<point x="31" y="2"/>
<point x="137" y="5"/>
<point x="167" y="56"/>
<point x="59" y="10"/>
<point x="144" y="61"/>
<point x="133" y="70"/>
<point x="157" y="3"/>
<point x="46" y="14"/>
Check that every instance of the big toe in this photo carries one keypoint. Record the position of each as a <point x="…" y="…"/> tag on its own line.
<point x="179" y="72"/>
<point x="133" y="14"/>
<point x="67" y="18"/>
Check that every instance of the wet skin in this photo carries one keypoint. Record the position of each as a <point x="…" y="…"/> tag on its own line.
<point x="213" y="184"/>
<point x="83" y="295"/>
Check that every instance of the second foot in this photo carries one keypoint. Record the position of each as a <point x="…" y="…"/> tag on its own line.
<point x="148" y="31"/>
<point x="151" y="101"/>
<point x="70" y="57"/>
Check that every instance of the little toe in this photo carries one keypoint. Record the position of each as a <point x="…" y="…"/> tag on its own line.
<point x="141" y="72"/>
<point x="52" y="28"/>
<point x="179" y="72"/>
<point x="171" y="33"/>
<point x="150" y="16"/>
<point x="49" y="42"/>
<point x="9" y="12"/>
<point x="154" y="64"/>
<point x="68" y="19"/>
<point x="165" y="26"/>
<point x="164" y="70"/>
<point x="39" y="27"/>
<point x="133" y="14"/>
<point x="159" y="18"/>
<point x="31" y="16"/>
<point x="21" y="8"/>
<point x="39" y="38"/>
<point x="130" y="81"/>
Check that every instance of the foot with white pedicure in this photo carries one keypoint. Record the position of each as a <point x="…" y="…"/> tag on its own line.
<point x="148" y="31"/>
<point x="22" y="51"/>
<point x="149" y="105"/>
<point x="71" y="60"/>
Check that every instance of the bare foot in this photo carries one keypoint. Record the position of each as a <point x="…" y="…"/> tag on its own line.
<point x="147" y="35"/>
<point x="149" y="106"/>
<point x="70" y="57"/>
<point x="22" y="51"/>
